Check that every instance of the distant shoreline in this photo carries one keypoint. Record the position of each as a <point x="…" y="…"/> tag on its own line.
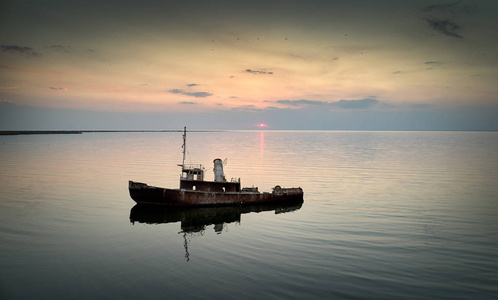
<point x="34" y="132"/>
<point x="24" y="132"/>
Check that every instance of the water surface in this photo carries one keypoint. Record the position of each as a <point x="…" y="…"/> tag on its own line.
<point x="407" y="215"/>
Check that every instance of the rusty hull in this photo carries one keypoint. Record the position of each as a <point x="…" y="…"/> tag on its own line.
<point x="145" y="194"/>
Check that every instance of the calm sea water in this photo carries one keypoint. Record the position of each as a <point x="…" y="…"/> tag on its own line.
<point x="400" y="215"/>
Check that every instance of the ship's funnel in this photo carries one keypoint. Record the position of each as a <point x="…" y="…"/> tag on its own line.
<point x="219" y="176"/>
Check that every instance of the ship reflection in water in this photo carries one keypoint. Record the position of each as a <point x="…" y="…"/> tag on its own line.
<point x="195" y="220"/>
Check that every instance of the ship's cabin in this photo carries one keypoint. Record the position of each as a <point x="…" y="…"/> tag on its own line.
<point x="192" y="179"/>
<point x="192" y="172"/>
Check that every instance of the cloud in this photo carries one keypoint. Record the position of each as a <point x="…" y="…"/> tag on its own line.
<point x="259" y="71"/>
<point x="343" y="104"/>
<point x="23" y="117"/>
<point x="401" y="72"/>
<point x="192" y="84"/>
<point x="453" y="8"/>
<point x="7" y="103"/>
<point x="356" y="104"/>
<point x="60" y="48"/>
<point x="27" y="51"/>
<point x="445" y="27"/>
<point x="301" y="102"/>
<point x="188" y="102"/>
<point x="58" y="88"/>
<point x="193" y="94"/>
<point x="248" y="108"/>
<point x="92" y="54"/>
<point x="441" y="7"/>
<point x="197" y="94"/>
<point x="434" y="63"/>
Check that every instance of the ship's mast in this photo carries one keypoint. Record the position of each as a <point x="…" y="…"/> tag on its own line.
<point x="184" y="146"/>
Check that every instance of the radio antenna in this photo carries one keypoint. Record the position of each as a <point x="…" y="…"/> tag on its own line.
<point x="184" y="146"/>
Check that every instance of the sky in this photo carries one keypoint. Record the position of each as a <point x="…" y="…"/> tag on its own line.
<point x="316" y="64"/>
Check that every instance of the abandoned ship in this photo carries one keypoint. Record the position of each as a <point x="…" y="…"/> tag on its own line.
<point x="195" y="191"/>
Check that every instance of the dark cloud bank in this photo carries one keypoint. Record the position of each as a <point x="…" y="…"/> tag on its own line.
<point x="344" y="104"/>
<point x="445" y="27"/>
<point x="312" y="117"/>
<point x="443" y="24"/>
<point x="26" y="51"/>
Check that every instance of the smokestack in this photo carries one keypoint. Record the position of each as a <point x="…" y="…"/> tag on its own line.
<point x="219" y="176"/>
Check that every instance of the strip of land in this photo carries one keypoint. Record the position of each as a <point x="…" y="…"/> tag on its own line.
<point x="22" y="132"/>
